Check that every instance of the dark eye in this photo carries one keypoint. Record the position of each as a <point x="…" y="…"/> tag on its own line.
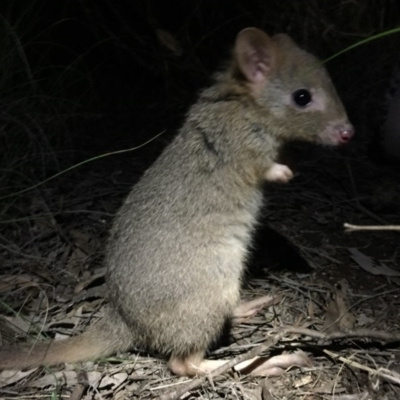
<point x="302" y="97"/>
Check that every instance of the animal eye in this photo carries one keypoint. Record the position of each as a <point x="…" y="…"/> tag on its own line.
<point x="302" y="97"/>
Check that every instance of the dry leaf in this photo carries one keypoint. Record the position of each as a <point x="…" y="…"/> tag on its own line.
<point x="114" y="380"/>
<point x="77" y="255"/>
<point x="338" y="316"/>
<point x="267" y="390"/>
<point x="18" y="324"/>
<point x="249" y="308"/>
<point x="364" y="320"/>
<point x="94" y="378"/>
<point x="68" y="378"/>
<point x="82" y="285"/>
<point x="252" y="394"/>
<point x="330" y="387"/>
<point x="12" y="282"/>
<point x="72" y="318"/>
<point x="9" y="377"/>
<point x="367" y="264"/>
<point x="168" y="41"/>
<point x="97" y="292"/>
<point x="82" y="240"/>
<point x="43" y="220"/>
<point x="303" y="381"/>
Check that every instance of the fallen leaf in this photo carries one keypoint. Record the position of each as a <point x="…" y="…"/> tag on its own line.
<point x="82" y="240"/>
<point x="303" y="381"/>
<point x="338" y="316"/>
<point x="68" y="378"/>
<point x="71" y="319"/>
<point x="330" y="387"/>
<point x="364" y="320"/>
<point x="267" y="390"/>
<point x="94" y="378"/>
<point x="12" y="282"/>
<point x="367" y="264"/>
<point x="9" y="377"/>
<point x="84" y="284"/>
<point x="18" y="324"/>
<point x="252" y="394"/>
<point x="168" y="41"/>
<point x="114" y="380"/>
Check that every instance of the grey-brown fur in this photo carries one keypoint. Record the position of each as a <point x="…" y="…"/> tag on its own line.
<point x="178" y="245"/>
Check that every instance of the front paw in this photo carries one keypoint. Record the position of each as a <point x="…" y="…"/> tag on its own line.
<point x="279" y="173"/>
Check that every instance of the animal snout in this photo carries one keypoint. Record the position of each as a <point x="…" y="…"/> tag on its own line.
<point x="346" y="132"/>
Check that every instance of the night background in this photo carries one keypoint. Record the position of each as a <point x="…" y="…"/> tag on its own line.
<point x="79" y="79"/>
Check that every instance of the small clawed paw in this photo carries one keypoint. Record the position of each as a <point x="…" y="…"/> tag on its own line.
<point x="279" y="173"/>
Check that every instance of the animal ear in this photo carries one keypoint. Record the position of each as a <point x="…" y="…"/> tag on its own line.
<point x="256" y="54"/>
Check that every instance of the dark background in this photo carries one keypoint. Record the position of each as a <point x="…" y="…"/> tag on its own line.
<point x="94" y="76"/>
<point x="83" y="78"/>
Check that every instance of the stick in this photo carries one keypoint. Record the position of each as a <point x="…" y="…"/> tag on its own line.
<point x="361" y="333"/>
<point x="350" y="227"/>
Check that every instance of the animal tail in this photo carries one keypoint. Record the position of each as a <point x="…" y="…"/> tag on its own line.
<point x="102" y="339"/>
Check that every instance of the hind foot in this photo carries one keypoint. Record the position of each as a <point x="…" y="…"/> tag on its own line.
<point x="273" y="366"/>
<point x="192" y="365"/>
<point x="257" y="366"/>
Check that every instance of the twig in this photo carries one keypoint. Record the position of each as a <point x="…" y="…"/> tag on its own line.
<point x="381" y="372"/>
<point x="350" y="334"/>
<point x="273" y="340"/>
<point x="357" y="202"/>
<point x="350" y="227"/>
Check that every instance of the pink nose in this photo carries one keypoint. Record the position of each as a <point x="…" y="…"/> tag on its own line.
<point x="346" y="132"/>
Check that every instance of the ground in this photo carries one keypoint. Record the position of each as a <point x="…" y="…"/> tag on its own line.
<point x="336" y="292"/>
<point x="54" y="274"/>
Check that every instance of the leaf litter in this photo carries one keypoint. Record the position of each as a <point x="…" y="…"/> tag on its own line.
<point x="337" y="323"/>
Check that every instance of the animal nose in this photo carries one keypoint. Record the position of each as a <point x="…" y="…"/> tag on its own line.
<point x="346" y="132"/>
